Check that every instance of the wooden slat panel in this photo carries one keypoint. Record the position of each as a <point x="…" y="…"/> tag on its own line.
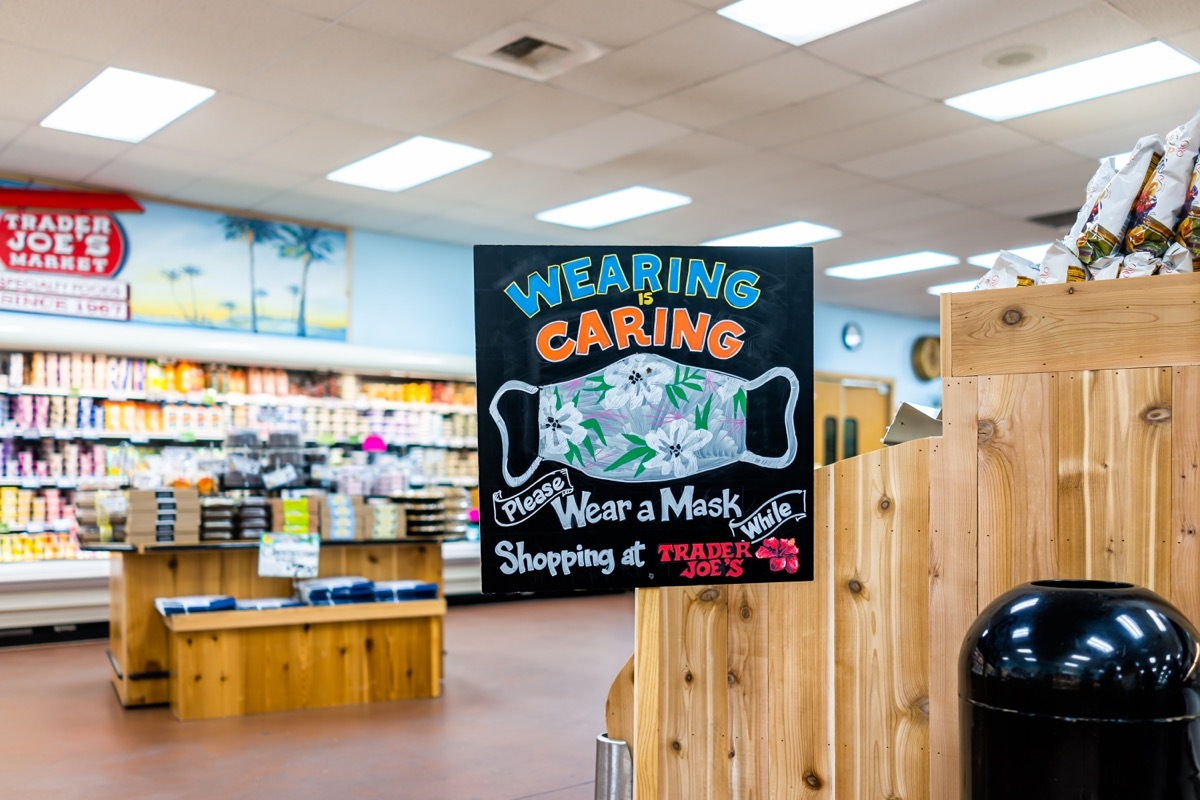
<point x="881" y="602"/>
<point x="1185" y="509"/>
<point x="302" y="615"/>
<point x="1016" y="482"/>
<point x="618" y="708"/>
<point x="647" y="692"/>
<point x="695" y="690"/>
<point x="749" y="691"/>
<point x="1125" y="451"/>
<point x="1071" y="526"/>
<point x="1077" y="326"/>
<point x="953" y="589"/>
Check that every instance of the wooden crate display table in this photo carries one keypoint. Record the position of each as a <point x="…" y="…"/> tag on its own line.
<point x="226" y="663"/>
<point x="375" y="650"/>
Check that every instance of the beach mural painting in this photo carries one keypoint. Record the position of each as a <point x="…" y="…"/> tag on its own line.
<point x="644" y="416"/>
<point x="109" y="256"/>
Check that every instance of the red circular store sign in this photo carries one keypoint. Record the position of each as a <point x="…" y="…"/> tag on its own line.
<point x="83" y="244"/>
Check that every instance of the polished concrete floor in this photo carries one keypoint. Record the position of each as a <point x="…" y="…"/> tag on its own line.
<point x="522" y="704"/>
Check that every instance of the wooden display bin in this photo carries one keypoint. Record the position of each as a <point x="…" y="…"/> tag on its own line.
<point x="139" y="650"/>
<point x="1070" y="449"/>
<point x="227" y="663"/>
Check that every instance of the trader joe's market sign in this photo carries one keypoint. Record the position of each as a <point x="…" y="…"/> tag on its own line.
<point x="53" y="246"/>
<point x="645" y="415"/>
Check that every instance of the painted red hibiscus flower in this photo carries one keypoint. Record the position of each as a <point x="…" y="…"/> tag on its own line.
<point x="783" y="554"/>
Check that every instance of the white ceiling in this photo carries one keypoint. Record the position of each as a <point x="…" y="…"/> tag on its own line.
<point x="847" y="131"/>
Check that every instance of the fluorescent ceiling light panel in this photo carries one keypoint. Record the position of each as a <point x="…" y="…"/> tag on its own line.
<point x="1074" y="83"/>
<point x="408" y="164"/>
<point x="789" y="234"/>
<point x="614" y="207"/>
<point x="799" y="23"/>
<point x="1033" y="252"/>
<point x="126" y="106"/>
<point x="946" y="288"/>
<point x="896" y="265"/>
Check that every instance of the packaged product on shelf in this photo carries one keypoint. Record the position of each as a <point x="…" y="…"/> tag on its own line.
<point x="396" y="591"/>
<point x="296" y="514"/>
<point x="1188" y="233"/>
<point x="1108" y="220"/>
<point x="1009" y="270"/>
<point x="260" y="603"/>
<point x="335" y="590"/>
<point x="194" y="604"/>
<point x="1161" y="203"/>
<point x="342" y="518"/>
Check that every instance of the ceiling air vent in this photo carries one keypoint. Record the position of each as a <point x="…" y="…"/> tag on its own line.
<point x="1059" y="220"/>
<point x="531" y="51"/>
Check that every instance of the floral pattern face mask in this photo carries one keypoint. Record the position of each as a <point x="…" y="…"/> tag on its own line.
<point x="646" y="418"/>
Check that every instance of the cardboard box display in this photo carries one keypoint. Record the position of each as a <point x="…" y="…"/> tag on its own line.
<point x="342" y="518"/>
<point x="296" y="515"/>
<point x="383" y="521"/>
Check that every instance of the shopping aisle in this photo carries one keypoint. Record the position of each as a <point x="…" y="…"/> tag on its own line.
<point x="523" y="702"/>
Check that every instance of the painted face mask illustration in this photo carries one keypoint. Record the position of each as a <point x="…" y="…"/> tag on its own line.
<point x="645" y="418"/>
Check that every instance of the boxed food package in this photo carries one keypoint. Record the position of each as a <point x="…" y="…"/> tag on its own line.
<point x="162" y="515"/>
<point x="342" y="518"/>
<point x="383" y="520"/>
<point x="296" y="514"/>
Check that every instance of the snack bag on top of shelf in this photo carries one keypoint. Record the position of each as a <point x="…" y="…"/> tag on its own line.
<point x="1061" y="262"/>
<point x="1110" y="215"/>
<point x="1163" y="199"/>
<point x="1188" y="233"/>
<point x="1009" y="270"/>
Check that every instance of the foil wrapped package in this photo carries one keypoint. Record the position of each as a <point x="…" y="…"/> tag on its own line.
<point x="1161" y="202"/>
<point x="1110" y="216"/>
<point x="1009" y="270"/>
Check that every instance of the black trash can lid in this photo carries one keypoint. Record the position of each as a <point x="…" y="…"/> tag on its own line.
<point x="1083" y="649"/>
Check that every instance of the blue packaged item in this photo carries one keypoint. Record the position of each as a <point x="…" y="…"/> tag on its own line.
<point x="392" y="591"/>
<point x="194" y="604"/>
<point x="259" y="603"/>
<point x="346" y="588"/>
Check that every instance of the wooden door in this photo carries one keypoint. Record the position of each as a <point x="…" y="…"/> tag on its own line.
<point x="850" y="415"/>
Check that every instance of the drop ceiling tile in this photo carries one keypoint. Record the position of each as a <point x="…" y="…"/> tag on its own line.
<point x="1120" y="138"/>
<point x="1186" y="42"/>
<point x="545" y="189"/>
<point x="615" y="23"/>
<point x="150" y="169"/>
<point x="1062" y="124"/>
<point x="1083" y="33"/>
<point x="531" y="113"/>
<point x="930" y="28"/>
<point x="862" y="211"/>
<point x="364" y="217"/>
<point x="698" y="49"/>
<point x="692" y="152"/>
<point x="432" y="95"/>
<point x="1163" y="17"/>
<point x="332" y="67"/>
<point x="769" y="195"/>
<point x="438" y="25"/>
<point x="37" y="82"/>
<point x="953" y="148"/>
<point x="10" y="129"/>
<point x="214" y="42"/>
<point x="721" y="179"/>
<point x="91" y="31"/>
<point x="1065" y="198"/>
<point x="925" y="122"/>
<point x="830" y="112"/>
<point x="692" y="224"/>
<point x="778" y="81"/>
<point x="600" y="141"/>
<point x="1073" y="178"/>
<point x="323" y="145"/>
<point x="480" y="180"/>
<point x="228" y="126"/>
<point x="321" y="9"/>
<point x="226" y="192"/>
<point x="984" y="170"/>
<point x="45" y="153"/>
<point x="925" y="235"/>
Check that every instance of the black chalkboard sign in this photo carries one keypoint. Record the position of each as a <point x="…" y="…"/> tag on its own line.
<point x="645" y="415"/>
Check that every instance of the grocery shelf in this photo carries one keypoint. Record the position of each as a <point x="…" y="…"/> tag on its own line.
<point x="63" y="592"/>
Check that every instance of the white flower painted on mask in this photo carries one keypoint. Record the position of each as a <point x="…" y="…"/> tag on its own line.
<point x="675" y="445"/>
<point x="558" y="427"/>
<point x="634" y="381"/>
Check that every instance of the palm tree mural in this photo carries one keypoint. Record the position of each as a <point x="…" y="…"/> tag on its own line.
<point x="309" y="245"/>
<point x="229" y="307"/>
<point x="252" y="232"/>
<point x="192" y="273"/>
<point x="172" y="276"/>
<point x="294" y="291"/>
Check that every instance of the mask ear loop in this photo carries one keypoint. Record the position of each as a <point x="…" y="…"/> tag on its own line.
<point x="782" y="461"/>
<point x="511" y="386"/>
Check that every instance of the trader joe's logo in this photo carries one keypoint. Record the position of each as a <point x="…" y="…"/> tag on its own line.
<point x="84" y="244"/>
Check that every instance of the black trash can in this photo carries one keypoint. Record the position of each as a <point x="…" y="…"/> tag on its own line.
<point x="1080" y="690"/>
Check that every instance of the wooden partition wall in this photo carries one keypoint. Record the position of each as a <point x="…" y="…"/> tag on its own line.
<point x="1070" y="448"/>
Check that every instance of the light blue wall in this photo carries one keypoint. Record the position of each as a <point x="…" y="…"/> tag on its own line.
<point x="410" y="294"/>
<point x="417" y="295"/>
<point x="886" y="351"/>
